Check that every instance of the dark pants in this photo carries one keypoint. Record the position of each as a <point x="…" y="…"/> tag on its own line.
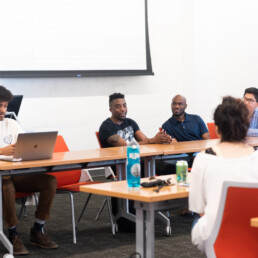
<point x="167" y="167"/>
<point x="43" y="183"/>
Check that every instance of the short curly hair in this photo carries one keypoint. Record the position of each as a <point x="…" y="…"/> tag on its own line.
<point x="232" y="119"/>
<point x="115" y="96"/>
<point x="5" y="95"/>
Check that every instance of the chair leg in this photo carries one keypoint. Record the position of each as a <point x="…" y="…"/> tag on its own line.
<point x="22" y="206"/>
<point x="165" y="220"/>
<point x="83" y="209"/>
<point x="101" y="209"/>
<point x="25" y="211"/>
<point x="113" y="225"/>
<point x="73" y="217"/>
<point x="36" y="199"/>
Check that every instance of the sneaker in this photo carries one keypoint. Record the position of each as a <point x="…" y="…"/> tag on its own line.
<point x="18" y="247"/>
<point x="41" y="240"/>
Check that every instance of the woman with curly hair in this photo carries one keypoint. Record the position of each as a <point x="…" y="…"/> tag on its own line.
<point x="230" y="160"/>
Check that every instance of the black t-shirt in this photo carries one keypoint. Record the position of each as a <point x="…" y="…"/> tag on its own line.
<point x="108" y="128"/>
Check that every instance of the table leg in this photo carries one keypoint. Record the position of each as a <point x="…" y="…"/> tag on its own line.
<point x="149" y="166"/>
<point x="145" y="233"/>
<point x="3" y="238"/>
<point x="140" y="232"/>
<point x="121" y="172"/>
<point x="150" y="232"/>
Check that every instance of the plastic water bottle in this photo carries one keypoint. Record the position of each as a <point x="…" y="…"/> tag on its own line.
<point x="133" y="166"/>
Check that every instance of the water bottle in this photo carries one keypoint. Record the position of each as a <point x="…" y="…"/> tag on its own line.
<point x="133" y="166"/>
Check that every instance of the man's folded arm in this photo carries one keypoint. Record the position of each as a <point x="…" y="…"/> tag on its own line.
<point x="206" y="136"/>
<point x="116" y="141"/>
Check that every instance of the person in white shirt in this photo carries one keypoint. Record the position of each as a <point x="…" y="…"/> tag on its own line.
<point x="230" y="160"/>
<point x="43" y="183"/>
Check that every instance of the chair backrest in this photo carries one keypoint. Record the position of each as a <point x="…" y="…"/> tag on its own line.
<point x="66" y="177"/>
<point x="232" y="235"/>
<point x="212" y="130"/>
<point x="97" y="135"/>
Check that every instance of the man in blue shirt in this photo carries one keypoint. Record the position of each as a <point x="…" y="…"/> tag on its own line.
<point x="251" y="101"/>
<point x="182" y="126"/>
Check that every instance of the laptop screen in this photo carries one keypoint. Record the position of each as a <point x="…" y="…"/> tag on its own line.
<point x="14" y="106"/>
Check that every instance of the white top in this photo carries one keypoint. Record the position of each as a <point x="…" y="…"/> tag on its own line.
<point x="9" y="130"/>
<point x="207" y="177"/>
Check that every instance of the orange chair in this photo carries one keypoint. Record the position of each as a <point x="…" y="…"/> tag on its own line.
<point x="97" y="135"/>
<point x="69" y="182"/>
<point x="212" y="131"/>
<point x="232" y="235"/>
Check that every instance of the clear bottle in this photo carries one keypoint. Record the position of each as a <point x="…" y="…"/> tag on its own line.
<point x="133" y="166"/>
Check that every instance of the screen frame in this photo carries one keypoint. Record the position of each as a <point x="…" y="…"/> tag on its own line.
<point x="87" y="73"/>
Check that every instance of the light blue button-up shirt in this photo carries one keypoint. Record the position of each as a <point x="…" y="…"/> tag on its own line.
<point x="253" y="128"/>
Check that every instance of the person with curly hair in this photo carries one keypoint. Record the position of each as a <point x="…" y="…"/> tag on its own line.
<point x="230" y="160"/>
<point x="43" y="183"/>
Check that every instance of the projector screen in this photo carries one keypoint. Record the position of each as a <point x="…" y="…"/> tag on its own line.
<point x="49" y="38"/>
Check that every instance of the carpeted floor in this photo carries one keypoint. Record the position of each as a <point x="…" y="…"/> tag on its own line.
<point x="94" y="238"/>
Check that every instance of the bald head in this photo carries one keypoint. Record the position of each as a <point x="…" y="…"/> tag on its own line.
<point x="177" y="97"/>
<point x="178" y="106"/>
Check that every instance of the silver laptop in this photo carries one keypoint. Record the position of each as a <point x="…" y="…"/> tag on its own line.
<point x="33" y="146"/>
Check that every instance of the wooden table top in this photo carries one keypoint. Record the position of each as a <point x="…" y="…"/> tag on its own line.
<point x="254" y="222"/>
<point x="121" y="190"/>
<point x="185" y="147"/>
<point x="116" y="153"/>
<point x="151" y="150"/>
<point x="194" y="146"/>
<point x="70" y="157"/>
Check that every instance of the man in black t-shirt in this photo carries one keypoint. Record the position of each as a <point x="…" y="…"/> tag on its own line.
<point x="119" y="130"/>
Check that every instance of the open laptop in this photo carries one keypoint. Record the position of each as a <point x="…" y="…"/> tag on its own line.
<point x="33" y="146"/>
<point x="13" y="107"/>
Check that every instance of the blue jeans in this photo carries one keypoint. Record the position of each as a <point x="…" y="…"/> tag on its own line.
<point x="195" y="219"/>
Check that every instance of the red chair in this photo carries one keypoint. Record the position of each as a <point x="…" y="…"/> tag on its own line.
<point x="212" y="131"/>
<point x="69" y="182"/>
<point x="232" y="235"/>
<point x="97" y="135"/>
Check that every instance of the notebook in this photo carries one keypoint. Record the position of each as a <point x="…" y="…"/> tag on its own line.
<point x="33" y="146"/>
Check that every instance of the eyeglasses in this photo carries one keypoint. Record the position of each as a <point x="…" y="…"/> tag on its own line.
<point x="249" y="100"/>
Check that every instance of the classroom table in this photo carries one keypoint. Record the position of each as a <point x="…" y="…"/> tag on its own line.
<point x="62" y="161"/>
<point x="174" y="150"/>
<point x="147" y="202"/>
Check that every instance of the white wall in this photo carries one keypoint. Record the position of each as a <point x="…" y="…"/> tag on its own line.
<point x="226" y="53"/>
<point x="202" y="49"/>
